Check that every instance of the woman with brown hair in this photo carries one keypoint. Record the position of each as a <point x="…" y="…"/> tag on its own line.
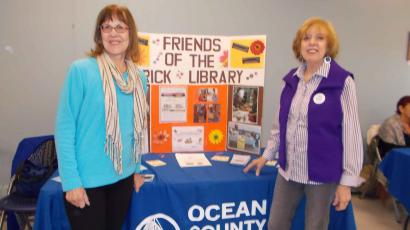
<point x="395" y="130"/>
<point x="100" y="125"/>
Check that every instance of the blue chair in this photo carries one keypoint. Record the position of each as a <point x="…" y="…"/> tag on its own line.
<point x="34" y="162"/>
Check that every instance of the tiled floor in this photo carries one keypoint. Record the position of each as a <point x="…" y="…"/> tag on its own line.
<point x="375" y="214"/>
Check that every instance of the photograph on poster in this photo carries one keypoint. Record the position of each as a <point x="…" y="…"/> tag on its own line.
<point x="214" y="113"/>
<point x="199" y="113"/>
<point x="243" y="137"/>
<point x="173" y="104"/>
<point x="187" y="138"/>
<point x="245" y="104"/>
<point x="207" y="94"/>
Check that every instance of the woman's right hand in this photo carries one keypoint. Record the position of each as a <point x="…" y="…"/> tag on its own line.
<point x="77" y="197"/>
<point x="257" y="164"/>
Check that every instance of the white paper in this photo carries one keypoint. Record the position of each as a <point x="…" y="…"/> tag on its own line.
<point x="146" y="142"/>
<point x="271" y="163"/>
<point x="57" y="179"/>
<point x="220" y="158"/>
<point x="192" y="160"/>
<point x="240" y="159"/>
<point x="187" y="138"/>
<point x="173" y="104"/>
<point x="156" y="163"/>
<point x="143" y="168"/>
<point x="148" y="177"/>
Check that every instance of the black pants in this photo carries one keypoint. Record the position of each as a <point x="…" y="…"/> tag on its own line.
<point x="108" y="207"/>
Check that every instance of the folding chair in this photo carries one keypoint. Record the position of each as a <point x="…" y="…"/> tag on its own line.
<point x="378" y="175"/>
<point x="34" y="162"/>
<point x="373" y="158"/>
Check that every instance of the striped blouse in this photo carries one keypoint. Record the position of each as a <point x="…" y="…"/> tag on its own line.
<point x="297" y="131"/>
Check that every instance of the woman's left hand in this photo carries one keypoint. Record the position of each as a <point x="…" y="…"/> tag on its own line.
<point x="138" y="181"/>
<point x="342" y="197"/>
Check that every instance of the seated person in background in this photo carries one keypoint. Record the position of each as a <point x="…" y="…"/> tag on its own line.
<point x="395" y="130"/>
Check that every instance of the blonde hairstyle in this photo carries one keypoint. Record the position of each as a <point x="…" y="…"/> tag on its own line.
<point x="323" y="25"/>
<point x="121" y="13"/>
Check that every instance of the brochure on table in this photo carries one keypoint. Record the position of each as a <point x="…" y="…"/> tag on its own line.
<point x="192" y="160"/>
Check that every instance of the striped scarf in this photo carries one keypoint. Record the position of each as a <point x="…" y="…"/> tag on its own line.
<point x="113" y="145"/>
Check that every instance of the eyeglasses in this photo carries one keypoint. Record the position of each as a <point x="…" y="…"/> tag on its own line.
<point x="118" y="28"/>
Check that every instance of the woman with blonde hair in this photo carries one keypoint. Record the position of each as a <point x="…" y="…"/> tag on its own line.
<point x="316" y="132"/>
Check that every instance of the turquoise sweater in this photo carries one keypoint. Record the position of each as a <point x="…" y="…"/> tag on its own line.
<point x="80" y="129"/>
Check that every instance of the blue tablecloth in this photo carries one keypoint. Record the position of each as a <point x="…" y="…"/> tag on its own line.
<point x="396" y="168"/>
<point x="217" y="197"/>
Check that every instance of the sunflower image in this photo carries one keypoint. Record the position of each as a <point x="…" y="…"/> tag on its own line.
<point x="215" y="136"/>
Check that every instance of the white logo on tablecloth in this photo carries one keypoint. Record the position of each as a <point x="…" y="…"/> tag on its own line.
<point x="153" y="222"/>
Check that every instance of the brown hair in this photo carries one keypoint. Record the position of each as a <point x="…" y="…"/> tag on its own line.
<point x="330" y="33"/>
<point x="123" y="14"/>
<point x="402" y="102"/>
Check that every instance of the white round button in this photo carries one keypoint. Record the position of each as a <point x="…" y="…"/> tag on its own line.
<point x="319" y="98"/>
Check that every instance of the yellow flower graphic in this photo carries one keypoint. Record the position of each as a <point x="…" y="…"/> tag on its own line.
<point x="216" y="136"/>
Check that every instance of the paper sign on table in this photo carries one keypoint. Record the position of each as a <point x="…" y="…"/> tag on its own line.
<point x="156" y="163"/>
<point x="238" y="159"/>
<point x="143" y="168"/>
<point x="220" y="158"/>
<point x="57" y="179"/>
<point x="192" y="160"/>
<point x="148" y="177"/>
<point x="271" y="163"/>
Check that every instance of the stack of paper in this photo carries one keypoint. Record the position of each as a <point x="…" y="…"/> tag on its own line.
<point x="240" y="159"/>
<point x="156" y="163"/>
<point x="192" y="160"/>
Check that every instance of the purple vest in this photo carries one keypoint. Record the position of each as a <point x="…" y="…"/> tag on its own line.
<point x="325" y="147"/>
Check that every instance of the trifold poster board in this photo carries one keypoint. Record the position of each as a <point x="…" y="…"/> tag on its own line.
<point x="205" y="91"/>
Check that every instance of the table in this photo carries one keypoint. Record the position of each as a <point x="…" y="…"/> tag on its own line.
<point x="395" y="167"/>
<point x="217" y="197"/>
